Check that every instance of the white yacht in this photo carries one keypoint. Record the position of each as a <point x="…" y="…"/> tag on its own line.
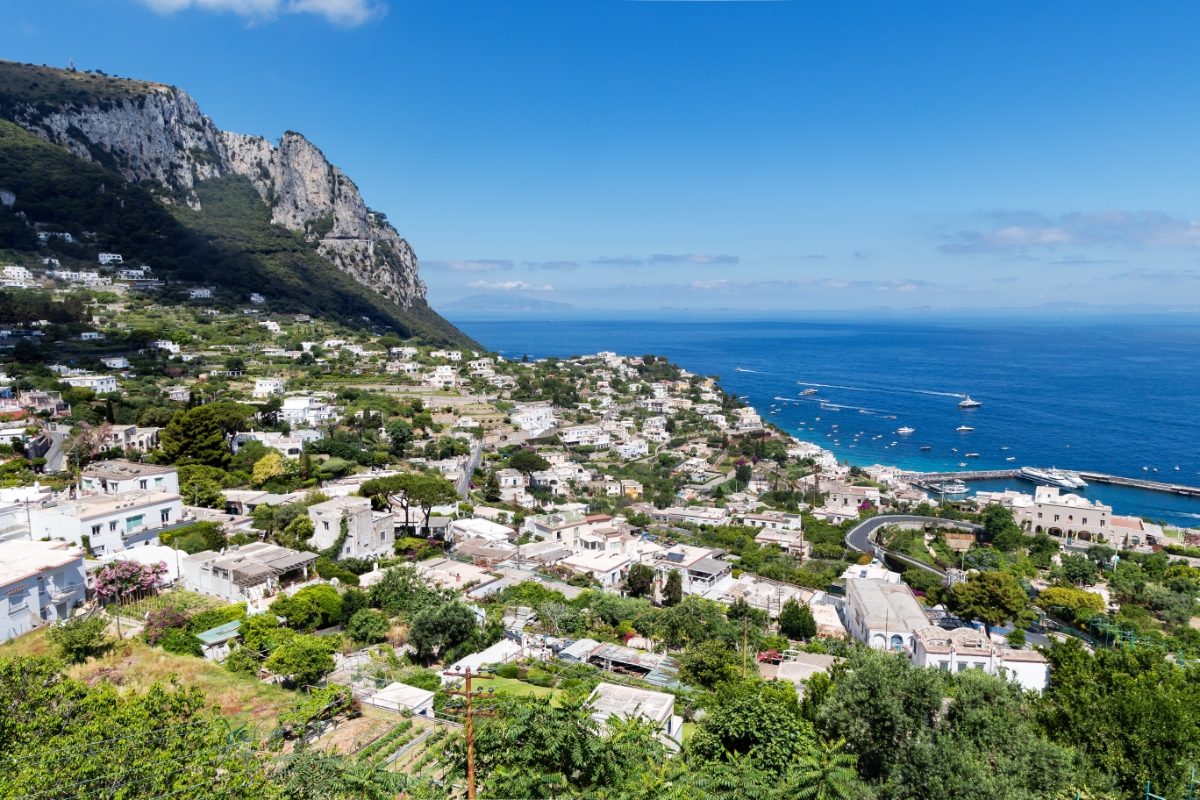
<point x="905" y="431"/>
<point x="964" y="429"/>
<point x="808" y="392"/>
<point x="1052" y="477"/>
<point x="969" y="402"/>
<point x="950" y="487"/>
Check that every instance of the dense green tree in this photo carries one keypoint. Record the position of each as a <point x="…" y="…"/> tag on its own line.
<point x="311" y="607"/>
<point x="640" y="580"/>
<point x="438" y="628"/>
<point x="880" y="702"/>
<point x="673" y="591"/>
<point x="984" y="745"/>
<point x="993" y="598"/>
<point x="311" y="774"/>
<point x="826" y="772"/>
<point x="195" y="437"/>
<point x="65" y="738"/>
<point x="402" y="591"/>
<point x="1077" y="569"/>
<point x="527" y="461"/>
<point x="796" y="620"/>
<point x="400" y="435"/>
<point x="533" y="747"/>
<point x="758" y="719"/>
<point x="80" y="638"/>
<point x="367" y="626"/>
<point x="304" y="659"/>
<point x="709" y="664"/>
<point x="1001" y="529"/>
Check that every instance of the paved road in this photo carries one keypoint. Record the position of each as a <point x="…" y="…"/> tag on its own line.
<point x="861" y="536"/>
<point x="463" y="486"/>
<point x="56" y="457"/>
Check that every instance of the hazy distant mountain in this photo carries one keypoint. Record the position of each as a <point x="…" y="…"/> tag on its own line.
<point x="504" y="304"/>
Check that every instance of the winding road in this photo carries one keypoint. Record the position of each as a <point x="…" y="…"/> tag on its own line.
<point x="861" y="536"/>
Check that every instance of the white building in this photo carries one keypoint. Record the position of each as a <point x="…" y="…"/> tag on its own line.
<point x="967" y="648"/>
<point x="1066" y="515"/>
<point x="460" y="530"/>
<point x="39" y="582"/>
<point x="108" y="259"/>
<point x="100" y="384"/>
<point x="369" y="534"/>
<point x="534" y="418"/>
<point x="290" y="445"/>
<point x="883" y="616"/>
<point x="201" y="293"/>
<point x="852" y="498"/>
<point x="119" y="476"/>
<point x="585" y="435"/>
<point x="693" y="515"/>
<point x="115" y="362"/>
<point x="266" y="387"/>
<point x="698" y="567"/>
<point x="108" y="523"/>
<point x="133" y="437"/>
<point x="249" y="573"/>
<point x="305" y="410"/>
<point x="610" y="700"/>
<point x="633" y="448"/>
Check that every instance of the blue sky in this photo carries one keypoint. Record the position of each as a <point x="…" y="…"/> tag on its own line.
<point x="738" y="154"/>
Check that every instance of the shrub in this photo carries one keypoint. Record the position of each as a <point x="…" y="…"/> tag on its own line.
<point x="368" y="626"/>
<point x="78" y="639"/>
<point x="213" y="617"/>
<point x="160" y="622"/>
<point x="180" y="642"/>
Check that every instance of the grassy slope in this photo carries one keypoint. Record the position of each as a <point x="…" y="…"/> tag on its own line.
<point x="135" y="665"/>
<point x="27" y="83"/>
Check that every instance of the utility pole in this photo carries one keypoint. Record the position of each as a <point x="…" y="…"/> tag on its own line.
<point x="471" y="713"/>
<point x="745" y="647"/>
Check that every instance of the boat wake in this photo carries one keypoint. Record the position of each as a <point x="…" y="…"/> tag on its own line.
<point x="751" y="371"/>
<point x="882" y="389"/>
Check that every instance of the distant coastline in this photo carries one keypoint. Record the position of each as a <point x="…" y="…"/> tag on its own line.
<point x="1117" y="396"/>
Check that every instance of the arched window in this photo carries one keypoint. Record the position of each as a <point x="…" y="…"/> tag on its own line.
<point x="897" y="641"/>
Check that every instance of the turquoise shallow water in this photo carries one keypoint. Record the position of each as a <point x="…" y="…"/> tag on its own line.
<point x="1116" y="398"/>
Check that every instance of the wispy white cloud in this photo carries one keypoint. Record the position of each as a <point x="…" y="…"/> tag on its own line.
<point x="510" y="286"/>
<point x="617" y="261"/>
<point x="346" y="13"/>
<point x="552" y="265"/>
<point x="1159" y="275"/>
<point x="692" y="258"/>
<point x="470" y="265"/>
<point x="1031" y="231"/>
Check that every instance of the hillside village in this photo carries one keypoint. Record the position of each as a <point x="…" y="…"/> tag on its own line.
<point x="301" y="504"/>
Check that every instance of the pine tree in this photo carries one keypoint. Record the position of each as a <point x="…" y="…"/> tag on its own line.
<point x="796" y="620"/>
<point x="673" y="592"/>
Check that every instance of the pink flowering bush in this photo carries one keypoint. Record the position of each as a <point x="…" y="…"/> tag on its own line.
<point x="122" y="579"/>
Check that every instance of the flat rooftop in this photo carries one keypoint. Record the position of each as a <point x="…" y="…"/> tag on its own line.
<point x="886" y="605"/>
<point x="626" y="702"/>
<point x="120" y="470"/>
<point x="22" y="559"/>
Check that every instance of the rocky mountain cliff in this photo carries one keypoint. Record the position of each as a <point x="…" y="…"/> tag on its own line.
<point x="156" y="137"/>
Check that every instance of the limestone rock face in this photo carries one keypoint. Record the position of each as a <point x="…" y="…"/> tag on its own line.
<point x="161" y="140"/>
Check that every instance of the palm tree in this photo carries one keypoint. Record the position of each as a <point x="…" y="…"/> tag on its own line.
<point x="826" y="772"/>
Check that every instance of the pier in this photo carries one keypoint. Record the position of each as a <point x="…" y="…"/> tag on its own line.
<point x="924" y="478"/>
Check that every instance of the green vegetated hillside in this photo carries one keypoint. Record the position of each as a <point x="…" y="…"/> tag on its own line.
<point x="231" y="242"/>
<point x="52" y="87"/>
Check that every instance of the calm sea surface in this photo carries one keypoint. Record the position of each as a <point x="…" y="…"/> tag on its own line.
<point x="1116" y="398"/>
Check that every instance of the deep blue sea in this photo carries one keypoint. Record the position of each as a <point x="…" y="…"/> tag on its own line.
<point x="1122" y="398"/>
